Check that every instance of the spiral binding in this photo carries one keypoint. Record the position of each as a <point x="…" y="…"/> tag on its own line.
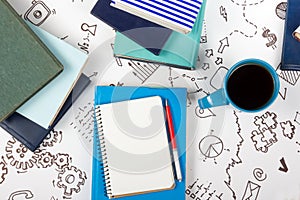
<point x="103" y="153"/>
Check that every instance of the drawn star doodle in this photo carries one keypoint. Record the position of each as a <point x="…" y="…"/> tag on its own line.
<point x="70" y="180"/>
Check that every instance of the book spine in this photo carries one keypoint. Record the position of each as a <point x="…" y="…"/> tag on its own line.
<point x="102" y="152"/>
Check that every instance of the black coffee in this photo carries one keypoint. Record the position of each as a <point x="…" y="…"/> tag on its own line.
<point x="250" y="86"/>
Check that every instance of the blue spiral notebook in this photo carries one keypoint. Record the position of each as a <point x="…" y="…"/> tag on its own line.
<point x="181" y="50"/>
<point x="291" y="46"/>
<point x="177" y="101"/>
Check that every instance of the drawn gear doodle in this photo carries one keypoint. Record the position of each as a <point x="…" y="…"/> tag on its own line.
<point x="62" y="160"/>
<point x="20" y="156"/>
<point x="71" y="179"/>
<point x="52" y="138"/>
<point x="3" y="172"/>
<point x="46" y="159"/>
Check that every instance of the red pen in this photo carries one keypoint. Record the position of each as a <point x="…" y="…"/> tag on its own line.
<point x="173" y="142"/>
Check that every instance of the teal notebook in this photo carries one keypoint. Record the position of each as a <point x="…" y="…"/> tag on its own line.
<point x="181" y="50"/>
<point x="177" y="101"/>
<point x="44" y="106"/>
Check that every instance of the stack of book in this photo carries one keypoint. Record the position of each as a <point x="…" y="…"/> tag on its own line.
<point x="165" y="32"/>
<point x="37" y="86"/>
<point x="40" y="85"/>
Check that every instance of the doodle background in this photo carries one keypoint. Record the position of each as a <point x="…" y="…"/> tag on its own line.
<point x="230" y="155"/>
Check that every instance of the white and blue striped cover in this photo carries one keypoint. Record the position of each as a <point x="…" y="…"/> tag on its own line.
<point x="179" y="15"/>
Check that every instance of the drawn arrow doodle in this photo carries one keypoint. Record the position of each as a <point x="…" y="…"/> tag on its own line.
<point x="223" y="43"/>
<point x="283" y="167"/>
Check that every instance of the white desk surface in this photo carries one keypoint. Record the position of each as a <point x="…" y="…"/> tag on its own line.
<point x="245" y="156"/>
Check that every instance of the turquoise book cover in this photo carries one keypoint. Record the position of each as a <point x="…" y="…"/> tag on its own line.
<point x="181" y="50"/>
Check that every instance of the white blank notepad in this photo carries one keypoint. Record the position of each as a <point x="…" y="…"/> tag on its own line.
<point x="134" y="147"/>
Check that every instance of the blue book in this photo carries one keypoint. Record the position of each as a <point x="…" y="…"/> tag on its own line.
<point x="149" y="35"/>
<point x="178" y="15"/>
<point x="31" y="134"/>
<point x="44" y="106"/>
<point x="177" y="101"/>
<point x="181" y="50"/>
<point x="290" y="59"/>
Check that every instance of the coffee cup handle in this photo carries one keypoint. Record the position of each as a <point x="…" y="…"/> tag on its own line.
<point x="217" y="98"/>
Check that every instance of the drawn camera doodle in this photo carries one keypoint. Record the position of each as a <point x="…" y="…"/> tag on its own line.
<point x="37" y="13"/>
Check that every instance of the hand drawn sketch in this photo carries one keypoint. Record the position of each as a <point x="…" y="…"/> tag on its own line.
<point x="231" y="154"/>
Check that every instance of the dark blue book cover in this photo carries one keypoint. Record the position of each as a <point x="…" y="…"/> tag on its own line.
<point x="147" y="34"/>
<point x="31" y="134"/>
<point x="291" y="46"/>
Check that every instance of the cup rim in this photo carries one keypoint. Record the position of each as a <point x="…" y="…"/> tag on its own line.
<point x="259" y="62"/>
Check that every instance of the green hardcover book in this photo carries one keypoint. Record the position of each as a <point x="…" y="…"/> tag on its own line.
<point x="181" y="50"/>
<point x="26" y="63"/>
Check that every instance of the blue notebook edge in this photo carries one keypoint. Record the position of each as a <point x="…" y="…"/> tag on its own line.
<point x="98" y="189"/>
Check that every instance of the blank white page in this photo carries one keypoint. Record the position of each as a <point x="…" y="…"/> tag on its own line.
<point x="135" y="147"/>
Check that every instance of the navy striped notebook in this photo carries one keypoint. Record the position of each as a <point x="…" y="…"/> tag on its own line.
<point x="178" y="15"/>
<point x="149" y="35"/>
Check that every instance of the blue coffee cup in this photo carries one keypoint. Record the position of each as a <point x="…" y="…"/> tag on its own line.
<point x="250" y="85"/>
